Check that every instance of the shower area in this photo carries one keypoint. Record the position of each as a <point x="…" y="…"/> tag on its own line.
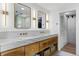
<point x="68" y="31"/>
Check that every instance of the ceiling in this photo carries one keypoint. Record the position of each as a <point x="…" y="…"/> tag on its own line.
<point x="56" y="6"/>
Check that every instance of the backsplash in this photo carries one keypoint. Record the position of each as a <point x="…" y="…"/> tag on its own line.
<point x="15" y="34"/>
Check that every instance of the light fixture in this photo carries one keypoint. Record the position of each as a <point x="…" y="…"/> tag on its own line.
<point x="47" y="21"/>
<point x="5" y="12"/>
<point x="22" y="8"/>
<point x="34" y="18"/>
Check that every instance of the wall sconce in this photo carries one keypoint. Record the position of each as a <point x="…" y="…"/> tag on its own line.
<point x="47" y="21"/>
<point x="5" y="12"/>
<point x="47" y="24"/>
<point x="34" y="18"/>
<point x="34" y="22"/>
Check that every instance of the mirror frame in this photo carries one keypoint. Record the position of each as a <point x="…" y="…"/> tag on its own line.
<point x="37" y="19"/>
<point x="15" y="16"/>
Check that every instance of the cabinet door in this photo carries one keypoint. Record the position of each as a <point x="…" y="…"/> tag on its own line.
<point x="31" y="49"/>
<point x="44" y="44"/>
<point x="14" y="52"/>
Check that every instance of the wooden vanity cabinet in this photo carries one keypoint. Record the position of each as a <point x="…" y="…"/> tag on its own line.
<point x="14" y="52"/>
<point x="32" y="49"/>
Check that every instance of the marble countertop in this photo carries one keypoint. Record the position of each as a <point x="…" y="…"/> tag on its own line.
<point x="6" y="44"/>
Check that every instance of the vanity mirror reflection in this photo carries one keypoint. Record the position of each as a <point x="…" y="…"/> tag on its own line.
<point x="41" y="20"/>
<point x="22" y="16"/>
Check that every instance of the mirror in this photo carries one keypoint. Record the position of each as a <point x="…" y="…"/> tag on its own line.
<point x="41" y="20"/>
<point x="22" y="16"/>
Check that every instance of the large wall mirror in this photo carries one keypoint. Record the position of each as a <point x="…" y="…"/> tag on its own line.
<point x="22" y="16"/>
<point x="41" y="20"/>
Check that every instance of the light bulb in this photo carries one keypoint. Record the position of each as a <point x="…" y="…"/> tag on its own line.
<point x="22" y="8"/>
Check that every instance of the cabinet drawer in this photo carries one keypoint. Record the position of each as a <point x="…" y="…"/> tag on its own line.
<point x="14" y="52"/>
<point x="52" y="40"/>
<point x="44" y="44"/>
<point x="31" y="49"/>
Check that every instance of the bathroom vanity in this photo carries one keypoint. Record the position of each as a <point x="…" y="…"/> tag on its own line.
<point x="33" y="47"/>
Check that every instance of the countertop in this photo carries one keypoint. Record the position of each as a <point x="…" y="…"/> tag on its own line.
<point x="7" y="44"/>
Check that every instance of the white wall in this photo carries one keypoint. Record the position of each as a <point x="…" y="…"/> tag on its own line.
<point x="15" y="34"/>
<point x="71" y="30"/>
<point x="53" y="22"/>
